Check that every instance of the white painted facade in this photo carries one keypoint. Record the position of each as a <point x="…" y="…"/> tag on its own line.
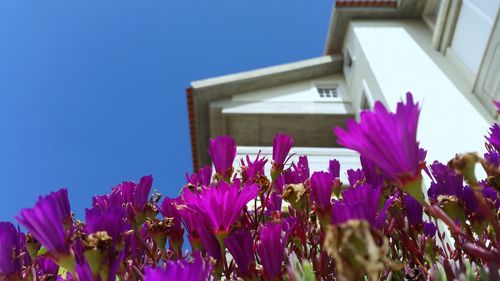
<point x="472" y="31"/>
<point x="446" y="52"/>
<point x="298" y="92"/>
<point x="400" y="58"/>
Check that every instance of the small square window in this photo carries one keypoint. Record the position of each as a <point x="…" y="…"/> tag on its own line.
<point x="327" y="92"/>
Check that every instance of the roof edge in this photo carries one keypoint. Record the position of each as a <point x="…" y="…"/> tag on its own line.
<point x="192" y="127"/>
<point x="366" y="3"/>
<point x="260" y="72"/>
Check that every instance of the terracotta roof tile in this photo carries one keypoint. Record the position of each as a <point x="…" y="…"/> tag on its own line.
<point x="366" y="3"/>
<point x="192" y="128"/>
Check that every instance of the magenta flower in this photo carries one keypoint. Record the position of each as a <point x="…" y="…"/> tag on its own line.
<point x="221" y="205"/>
<point x="274" y="203"/>
<point x="126" y="194"/>
<point x="299" y="172"/>
<point x="302" y="168"/>
<point x="271" y="250"/>
<point x="414" y="211"/>
<point x="360" y="203"/>
<point x="444" y="182"/>
<point x="389" y="140"/>
<point x="371" y="172"/>
<point x="222" y="150"/>
<point x="209" y="241"/>
<point x="111" y="220"/>
<point x="490" y="193"/>
<point x="205" y="175"/>
<point x="199" y="231"/>
<point x="250" y="170"/>
<point x="195" y="270"/>
<point x="321" y="190"/>
<point x="493" y="146"/>
<point x="240" y="245"/>
<point x="497" y="104"/>
<point x="10" y="250"/>
<point x="279" y="184"/>
<point x="429" y="229"/>
<point x="202" y="178"/>
<point x="176" y="233"/>
<point x="355" y="177"/>
<point x="492" y="156"/>
<point x="494" y="136"/>
<point x="46" y="220"/>
<point x="46" y="266"/>
<point x="130" y="196"/>
<point x="84" y="273"/>
<point x="281" y="147"/>
<point x="472" y="209"/>
<point x="136" y="194"/>
<point x="334" y="168"/>
<point x="190" y="220"/>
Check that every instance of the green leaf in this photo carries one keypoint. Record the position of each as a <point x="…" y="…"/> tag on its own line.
<point x="469" y="271"/>
<point x="62" y="272"/>
<point x="484" y="275"/>
<point x="308" y="272"/>
<point x="42" y="251"/>
<point x="442" y="272"/>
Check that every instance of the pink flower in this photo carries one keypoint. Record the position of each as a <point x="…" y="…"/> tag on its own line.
<point x="223" y="151"/>
<point x="387" y="139"/>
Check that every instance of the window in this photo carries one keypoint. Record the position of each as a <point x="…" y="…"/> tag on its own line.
<point x="487" y="86"/>
<point x="364" y="104"/>
<point x="327" y="92"/>
<point x="366" y="101"/>
<point x="348" y="63"/>
<point x="472" y="32"/>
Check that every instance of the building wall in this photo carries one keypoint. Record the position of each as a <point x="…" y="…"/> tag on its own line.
<point x="472" y="31"/>
<point x="399" y="57"/>
<point x="360" y="77"/>
<point x="298" y="92"/>
<point x="254" y="117"/>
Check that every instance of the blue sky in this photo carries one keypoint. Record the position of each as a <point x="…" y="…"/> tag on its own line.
<point x="92" y="92"/>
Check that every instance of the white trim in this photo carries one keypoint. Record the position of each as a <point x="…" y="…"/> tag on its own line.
<point x="480" y="12"/>
<point x="466" y="73"/>
<point x="429" y="22"/>
<point x="428" y="14"/>
<point x="258" y="73"/>
<point x="309" y="151"/>
<point x="367" y="93"/>
<point x="348" y="54"/>
<point x="316" y="85"/>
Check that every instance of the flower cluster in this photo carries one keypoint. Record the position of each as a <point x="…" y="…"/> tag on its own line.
<point x="274" y="219"/>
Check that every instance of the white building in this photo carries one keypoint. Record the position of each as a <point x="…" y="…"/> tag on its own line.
<point x="446" y="52"/>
